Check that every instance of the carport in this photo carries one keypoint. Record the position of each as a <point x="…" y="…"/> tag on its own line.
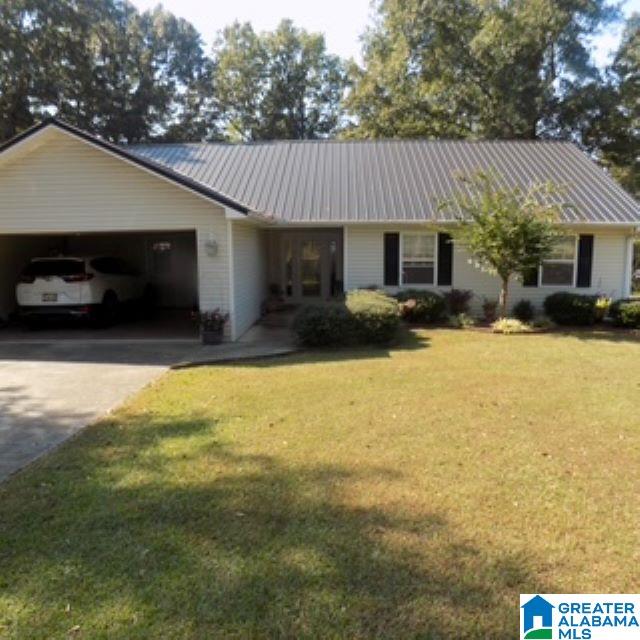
<point x="64" y="190"/>
<point x="166" y="260"/>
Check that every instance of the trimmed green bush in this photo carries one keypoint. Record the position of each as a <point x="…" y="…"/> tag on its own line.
<point x="367" y="317"/>
<point x="524" y="311"/>
<point x="323" y="326"/>
<point x="571" y="308"/>
<point x="374" y="315"/>
<point x="626" y="313"/>
<point x="457" y="301"/>
<point x="421" y="306"/>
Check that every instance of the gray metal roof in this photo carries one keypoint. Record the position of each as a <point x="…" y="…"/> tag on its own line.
<point x="386" y="180"/>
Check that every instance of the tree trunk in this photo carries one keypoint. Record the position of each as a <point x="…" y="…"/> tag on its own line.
<point x="504" y="294"/>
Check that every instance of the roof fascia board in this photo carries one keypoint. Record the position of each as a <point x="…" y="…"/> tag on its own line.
<point x="19" y="144"/>
<point x="279" y="222"/>
<point x="232" y="214"/>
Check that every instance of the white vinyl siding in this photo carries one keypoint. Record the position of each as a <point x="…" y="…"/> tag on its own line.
<point x="607" y="273"/>
<point x="365" y="261"/>
<point x="65" y="185"/>
<point x="364" y="255"/>
<point x="249" y="274"/>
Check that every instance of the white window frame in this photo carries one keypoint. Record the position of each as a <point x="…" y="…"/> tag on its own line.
<point x="573" y="262"/>
<point x="414" y="285"/>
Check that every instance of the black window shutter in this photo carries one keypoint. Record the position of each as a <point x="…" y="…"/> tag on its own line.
<point x="445" y="260"/>
<point x="530" y="278"/>
<point x="585" y="260"/>
<point x="391" y="259"/>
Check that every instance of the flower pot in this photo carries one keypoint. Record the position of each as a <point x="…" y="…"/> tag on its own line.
<point x="212" y="336"/>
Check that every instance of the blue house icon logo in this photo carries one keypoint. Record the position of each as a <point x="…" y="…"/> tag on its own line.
<point x="537" y="615"/>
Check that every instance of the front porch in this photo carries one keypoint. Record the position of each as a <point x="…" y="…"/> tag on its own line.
<point x="305" y="265"/>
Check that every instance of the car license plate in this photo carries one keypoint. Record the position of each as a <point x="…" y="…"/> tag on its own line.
<point x="49" y="297"/>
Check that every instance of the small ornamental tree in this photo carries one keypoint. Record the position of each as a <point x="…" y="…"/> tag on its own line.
<point x="507" y="230"/>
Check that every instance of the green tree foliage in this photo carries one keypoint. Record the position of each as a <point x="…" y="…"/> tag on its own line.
<point x="507" y="231"/>
<point x="280" y="84"/>
<point x="607" y="115"/>
<point x="102" y="66"/>
<point x="482" y="68"/>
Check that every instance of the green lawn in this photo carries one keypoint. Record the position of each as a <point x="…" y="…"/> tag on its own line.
<point x="411" y="493"/>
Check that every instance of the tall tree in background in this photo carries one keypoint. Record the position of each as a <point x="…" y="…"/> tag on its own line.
<point x="280" y="84"/>
<point x="460" y="68"/>
<point x="622" y="148"/>
<point x="22" y="54"/>
<point x="608" y="115"/>
<point x="102" y="66"/>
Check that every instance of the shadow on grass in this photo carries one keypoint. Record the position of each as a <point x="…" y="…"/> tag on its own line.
<point x="407" y="340"/>
<point x="597" y="333"/>
<point x="148" y="528"/>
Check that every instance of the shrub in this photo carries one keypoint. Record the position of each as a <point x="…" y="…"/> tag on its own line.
<point x="374" y="316"/>
<point x="461" y="321"/>
<point x="542" y="323"/>
<point x="571" y="308"/>
<point x="626" y="313"/>
<point x="323" y="326"/>
<point x="367" y="317"/>
<point x="510" y="326"/>
<point x="602" y="308"/>
<point x="421" y="306"/>
<point x="490" y="309"/>
<point x="524" y="311"/>
<point x="457" y="301"/>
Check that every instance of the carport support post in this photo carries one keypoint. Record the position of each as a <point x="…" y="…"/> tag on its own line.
<point x="231" y="279"/>
<point x="628" y="269"/>
<point x="218" y="266"/>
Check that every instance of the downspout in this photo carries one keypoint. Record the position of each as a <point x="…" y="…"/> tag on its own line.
<point x="345" y="258"/>
<point x="628" y="268"/>
<point x="231" y="281"/>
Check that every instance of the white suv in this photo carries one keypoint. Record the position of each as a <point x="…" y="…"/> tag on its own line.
<point x="91" y="287"/>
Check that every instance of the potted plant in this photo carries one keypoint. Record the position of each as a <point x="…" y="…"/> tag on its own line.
<point x="275" y="302"/>
<point x="212" y="326"/>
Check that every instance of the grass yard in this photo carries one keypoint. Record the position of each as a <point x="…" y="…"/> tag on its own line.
<point x="411" y="493"/>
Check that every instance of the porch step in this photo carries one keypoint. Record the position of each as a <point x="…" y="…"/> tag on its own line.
<point x="279" y="319"/>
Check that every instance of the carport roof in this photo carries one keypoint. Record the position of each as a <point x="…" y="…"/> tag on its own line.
<point x="327" y="181"/>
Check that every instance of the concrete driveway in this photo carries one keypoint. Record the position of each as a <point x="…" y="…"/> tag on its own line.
<point x="51" y="390"/>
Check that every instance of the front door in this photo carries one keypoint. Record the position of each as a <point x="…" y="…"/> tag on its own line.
<point x="312" y="263"/>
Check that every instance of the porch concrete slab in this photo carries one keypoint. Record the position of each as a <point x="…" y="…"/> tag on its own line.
<point x="261" y="341"/>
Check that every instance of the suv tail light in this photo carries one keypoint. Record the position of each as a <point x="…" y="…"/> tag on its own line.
<point x="78" y="277"/>
<point x="26" y="279"/>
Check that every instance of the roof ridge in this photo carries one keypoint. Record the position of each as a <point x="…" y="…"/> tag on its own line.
<point x="367" y="141"/>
